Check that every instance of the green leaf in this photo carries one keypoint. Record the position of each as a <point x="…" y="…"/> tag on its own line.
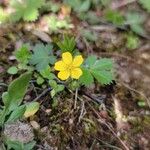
<point x="17" y="114"/>
<point x="145" y="4"/>
<point x="103" y="64"/>
<point x="114" y="17"/>
<point x="132" y="41"/>
<point x="100" y="69"/>
<point x="86" y="78"/>
<point x="26" y="9"/>
<point x="79" y="5"/>
<point x="17" y="90"/>
<point x="42" y="56"/>
<point x="16" y="145"/>
<point x="30" y="145"/>
<point x="23" y="54"/>
<point x="39" y="80"/>
<point x="5" y="98"/>
<point x="141" y="104"/>
<point x="103" y="77"/>
<point x="67" y="45"/>
<point x="46" y="73"/>
<point x="55" y="24"/>
<point x="12" y="70"/>
<point x="89" y="35"/>
<point x="135" y="21"/>
<point x="90" y="61"/>
<point x="85" y="5"/>
<point x="31" y="109"/>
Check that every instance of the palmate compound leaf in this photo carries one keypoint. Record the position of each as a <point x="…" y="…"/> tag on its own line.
<point x="26" y="9"/>
<point x="42" y="56"/>
<point x="100" y="69"/>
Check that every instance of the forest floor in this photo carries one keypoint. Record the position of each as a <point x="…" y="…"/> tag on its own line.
<point x="115" y="116"/>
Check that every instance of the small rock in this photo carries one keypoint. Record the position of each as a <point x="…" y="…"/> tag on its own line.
<point x="35" y="125"/>
<point x="19" y="131"/>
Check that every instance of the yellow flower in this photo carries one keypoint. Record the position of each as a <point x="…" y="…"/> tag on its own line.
<point x="69" y="67"/>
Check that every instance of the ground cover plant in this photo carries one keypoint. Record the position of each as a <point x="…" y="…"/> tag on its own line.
<point x="74" y="74"/>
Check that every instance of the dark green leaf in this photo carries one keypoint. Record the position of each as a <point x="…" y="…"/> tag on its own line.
<point x="42" y="56"/>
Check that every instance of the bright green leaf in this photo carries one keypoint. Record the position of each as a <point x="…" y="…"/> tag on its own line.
<point x="17" y="114"/>
<point x="12" y="70"/>
<point x="86" y="78"/>
<point x="26" y="9"/>
<point x="67" y="45"/>
<point x="23" y="54"/>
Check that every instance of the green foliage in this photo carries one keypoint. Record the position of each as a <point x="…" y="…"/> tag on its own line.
<point x="23" y="54"/>
<point x="51" y="6"/>
<point x="114" y="17"/>
<point x="12" y="70"/>
<point x="16" y="145"/>
<point x="46" y="73"/>
<point x="13" y="98"/>
<point x="56" y="88"/>
<point x="3" y="16"/>
<point x="42" y="56"/>
<point x="28" y="10"/>
<point x="79" y="6"/>
<point x="132" y="41"/>
<point x="145" y="4"/>
<point x="135" y="21"/>
<point x="55" y="24"/>
<point x="17" y="114"/>
<point x="67" y="45"/>
<point x="100" y="69"/>
<point x="89" y="35"/>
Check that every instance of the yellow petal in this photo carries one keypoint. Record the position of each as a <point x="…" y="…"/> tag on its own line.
<point x="78" y="60"/>
<point x="76" y="73"/>
<point x="60" y="65"/>
<point x="67" y="58"/>
<point x="64" y="75"/>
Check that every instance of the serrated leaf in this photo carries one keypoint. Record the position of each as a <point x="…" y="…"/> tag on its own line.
<point x="26" y="9"/>
<point x="67" y="45"/>
<point x="100" y="69"/>
<point x="103" y="64"/>
<point x="31" y="109"/>
<point x="17" y="90"/>
<point x="42" y="56"/>
<point x="23" y="54"/>
<point x="16" y="114"/>
<point x="145" y="4"/>
<point x="103" y="77"/>
<point x="86" y="78"/>
<point x="90" y="61"/>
